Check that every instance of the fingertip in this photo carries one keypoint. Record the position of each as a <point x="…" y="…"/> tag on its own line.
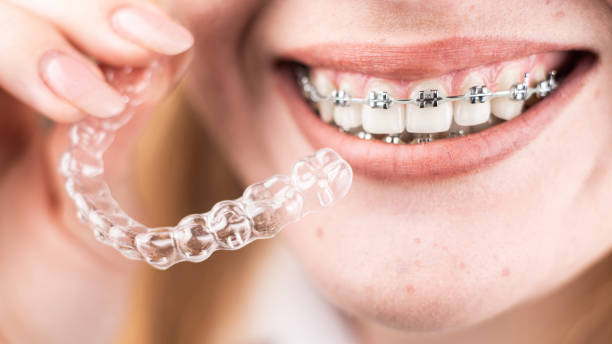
<point x="151" y="28"/>
<point x="75" y="82"/>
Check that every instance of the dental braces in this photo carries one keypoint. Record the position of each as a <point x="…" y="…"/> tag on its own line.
<point x="430" y="97"/>
<point x="316" y="182"/>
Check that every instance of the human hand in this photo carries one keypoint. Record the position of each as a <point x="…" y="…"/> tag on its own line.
<point x="59" y="284"/>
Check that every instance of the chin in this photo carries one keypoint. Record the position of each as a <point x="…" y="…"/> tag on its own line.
<point x="406" y="274"/>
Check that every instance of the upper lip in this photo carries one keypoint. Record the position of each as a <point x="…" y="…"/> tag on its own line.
<point x="442" y="157"/>
<point x="417" y="61"/>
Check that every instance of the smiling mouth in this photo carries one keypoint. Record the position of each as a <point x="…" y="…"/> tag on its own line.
<point x="430" y="121"/>
<point x="427" y="114"/>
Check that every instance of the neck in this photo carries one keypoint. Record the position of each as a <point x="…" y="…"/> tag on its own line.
<point x="578" y="312"/>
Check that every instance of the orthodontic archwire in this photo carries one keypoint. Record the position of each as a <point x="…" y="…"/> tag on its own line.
<point x="429" y="97"/>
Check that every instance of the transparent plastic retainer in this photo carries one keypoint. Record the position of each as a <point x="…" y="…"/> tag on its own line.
<point x="315" y="182"/>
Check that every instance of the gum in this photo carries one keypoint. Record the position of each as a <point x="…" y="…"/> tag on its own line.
<point x="404" y="85"/>
<point x="316" y="182"/>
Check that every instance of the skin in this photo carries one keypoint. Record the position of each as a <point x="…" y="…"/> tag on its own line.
<point x="423" y="256"/>
<point x="449" y="260"/>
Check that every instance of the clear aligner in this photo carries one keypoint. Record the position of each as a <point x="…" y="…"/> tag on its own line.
<point x="431" y="97"/>
<point x="315" y="182"/>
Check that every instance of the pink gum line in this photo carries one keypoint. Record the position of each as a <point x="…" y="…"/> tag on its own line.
<point x="453" y="81"/>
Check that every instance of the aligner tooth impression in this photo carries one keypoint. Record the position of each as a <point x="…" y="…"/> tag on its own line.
<point x="431" y="110"/>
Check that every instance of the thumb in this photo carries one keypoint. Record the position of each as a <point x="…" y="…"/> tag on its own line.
<point x="116" y="138"/>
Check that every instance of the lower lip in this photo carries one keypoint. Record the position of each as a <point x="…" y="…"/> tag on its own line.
<point x="442" y="158"/>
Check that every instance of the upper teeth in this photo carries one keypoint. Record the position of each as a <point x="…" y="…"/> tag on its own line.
<point x="478" y="109"/>
<point x="428" y="110"/>
<point x="379" y="117"/>
<point x="430" y="114"/>
<point x="346" y="115"/>
<point x="323" y="85"/>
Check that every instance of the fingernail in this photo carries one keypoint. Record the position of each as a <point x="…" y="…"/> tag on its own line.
<point x="74" y="81"/>
<point x="152" y="29"/>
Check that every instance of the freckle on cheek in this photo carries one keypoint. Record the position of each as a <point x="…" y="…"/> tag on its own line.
<point x="409" y="289"/>
<point x="596" y="94"/>
<point x="319" y="232"/>
<point x="559" y="14"/>
<point x="417" y="240"/>
<point x="506" y="272"/>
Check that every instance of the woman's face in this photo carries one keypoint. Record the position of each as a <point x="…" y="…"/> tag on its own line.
<point x="438" y="234"/>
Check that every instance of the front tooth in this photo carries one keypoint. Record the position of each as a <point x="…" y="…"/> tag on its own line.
<point x="504" y="107"/>
<point x="383" y="121"/>
<point x="429" y="119"/>
<point x="347" y="117"/>
<point x="324" y="87"/>
<point x="466" y="113"/>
